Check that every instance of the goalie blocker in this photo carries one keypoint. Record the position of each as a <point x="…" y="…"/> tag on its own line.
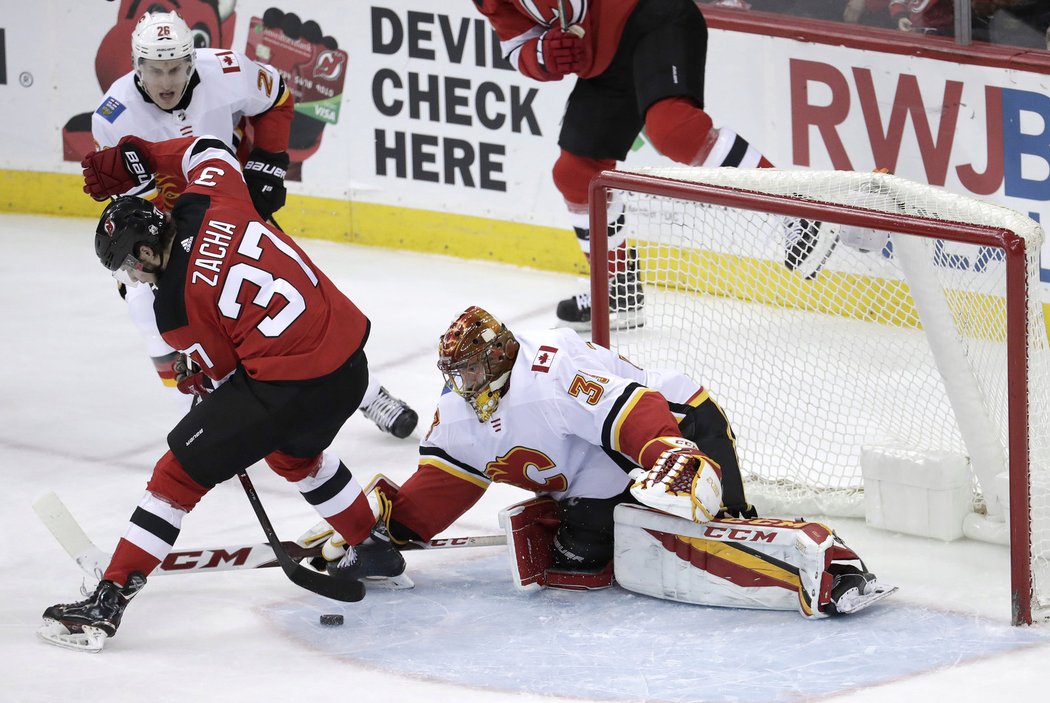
<point x="762" y="563"/>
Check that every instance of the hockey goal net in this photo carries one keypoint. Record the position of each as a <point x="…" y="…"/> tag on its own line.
<point x="921" y="335"/>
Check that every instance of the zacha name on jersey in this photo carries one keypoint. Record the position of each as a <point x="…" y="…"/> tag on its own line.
<point x="110" y="109"/>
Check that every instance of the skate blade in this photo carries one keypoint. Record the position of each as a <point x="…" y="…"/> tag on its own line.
<point x="395" y="583"/>
<point x="90" y="640"/>
<point x="627" y="319"/>
<point x="855" y="605"/>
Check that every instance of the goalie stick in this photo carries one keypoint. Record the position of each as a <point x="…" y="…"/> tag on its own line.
<point x="93" y="561"/>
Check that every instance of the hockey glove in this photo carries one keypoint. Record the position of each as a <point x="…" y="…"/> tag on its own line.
<point x="190" y="378"/>
<point x="264" y="173"/>
<point x="117" y="170"/>
<point x="563" y="52"/>
<point x="682" y="481"/>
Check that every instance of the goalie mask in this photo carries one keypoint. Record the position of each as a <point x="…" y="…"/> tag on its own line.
<point x="127" y="224"/>
<point x="475" y="355"/>
<point x="163" y="54"/>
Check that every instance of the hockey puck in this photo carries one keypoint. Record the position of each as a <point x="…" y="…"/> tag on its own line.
<point x="331" y="619"/>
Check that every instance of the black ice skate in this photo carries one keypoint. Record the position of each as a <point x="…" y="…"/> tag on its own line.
<point x="808" y="244"/>
<point x="853" y="590"/>
<point x="391" y="414"/>
<point x="626" y="302"/>
<point x="85" y="625"/>
<point x="376" y="560"/>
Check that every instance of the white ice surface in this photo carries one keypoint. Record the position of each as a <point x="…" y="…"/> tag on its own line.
<point x="81" y="413"/>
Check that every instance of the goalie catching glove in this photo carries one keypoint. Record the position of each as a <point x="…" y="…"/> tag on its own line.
<point x="118" y="170"/>
<point x="682" y="481"/>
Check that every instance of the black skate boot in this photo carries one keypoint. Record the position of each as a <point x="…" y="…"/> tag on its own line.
<point x="87" y="623"/>
<point x="375" y="558"/>
<point x="854" y="589"/>
<point x="626" y="301"/>
<point x="391" y="414"/>
<point x="808" y="244"/>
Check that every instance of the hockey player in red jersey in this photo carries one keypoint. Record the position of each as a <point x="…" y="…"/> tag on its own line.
<point x="639" y="64"/>
<point x="284" y="346"/>
<point x="176" y="90"/>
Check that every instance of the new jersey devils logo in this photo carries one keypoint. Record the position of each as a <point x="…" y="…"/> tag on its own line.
<point x="548" y="12"/>
<point x="329" y="65"/>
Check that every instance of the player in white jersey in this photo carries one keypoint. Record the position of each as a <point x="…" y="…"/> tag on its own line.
<point x="633" y="469"/>
<point x="176" y="90"/>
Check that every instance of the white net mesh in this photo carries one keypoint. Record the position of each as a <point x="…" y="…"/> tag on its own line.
<point x="898" y="341"/>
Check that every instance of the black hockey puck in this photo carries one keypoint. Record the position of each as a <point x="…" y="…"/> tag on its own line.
<point x="331" y="619"/>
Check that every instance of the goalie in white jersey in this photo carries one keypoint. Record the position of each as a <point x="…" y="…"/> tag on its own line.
<point x="592" y="434"/>
<point x="569" y="420"/>
<point x="176" y="90"/>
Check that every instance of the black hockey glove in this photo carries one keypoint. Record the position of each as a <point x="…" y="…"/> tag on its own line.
<point x="264" y="173"/>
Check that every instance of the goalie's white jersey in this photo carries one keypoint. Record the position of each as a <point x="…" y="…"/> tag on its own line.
<point x="226" y="87"/>
<point x="559" y="430"/>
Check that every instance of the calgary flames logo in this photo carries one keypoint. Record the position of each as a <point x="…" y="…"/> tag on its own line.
<point x="527" y="468"/>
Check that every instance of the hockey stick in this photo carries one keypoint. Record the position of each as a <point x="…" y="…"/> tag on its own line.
<point x="564" y="22"/>
<point x="345" y="590"/>
<point x="64" y="527"/>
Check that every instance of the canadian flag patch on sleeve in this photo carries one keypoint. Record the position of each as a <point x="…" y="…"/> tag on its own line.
<point x="544" y="358"/>
<point x="228" y="61"/>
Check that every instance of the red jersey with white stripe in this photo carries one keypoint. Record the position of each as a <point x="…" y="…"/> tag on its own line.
<point x="576" y="419"/>
<point x="517" y="22"/>
<point x="238" y="292"/>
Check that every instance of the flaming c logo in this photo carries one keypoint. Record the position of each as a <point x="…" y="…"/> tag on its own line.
<point x="527" y="468"/>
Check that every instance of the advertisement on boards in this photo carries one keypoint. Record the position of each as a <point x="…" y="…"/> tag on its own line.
<point x="409" y="104"/>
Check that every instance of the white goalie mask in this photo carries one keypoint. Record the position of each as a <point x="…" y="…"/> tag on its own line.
<point x="163" y="54"/>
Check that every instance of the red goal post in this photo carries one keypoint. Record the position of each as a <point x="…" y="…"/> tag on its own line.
<point x="921" y="338"/>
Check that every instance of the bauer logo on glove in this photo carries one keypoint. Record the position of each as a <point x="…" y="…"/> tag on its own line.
<point x="682" y="481"/>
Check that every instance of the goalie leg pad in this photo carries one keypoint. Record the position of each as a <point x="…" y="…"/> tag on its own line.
<point x="530" y="527"/>
<point x="762" y="563"/>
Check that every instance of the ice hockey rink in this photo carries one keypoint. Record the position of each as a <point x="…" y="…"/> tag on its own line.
<point x="82" y="414"/>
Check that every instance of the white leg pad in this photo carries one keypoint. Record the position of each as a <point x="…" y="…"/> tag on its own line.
<point x="762" y="563"/>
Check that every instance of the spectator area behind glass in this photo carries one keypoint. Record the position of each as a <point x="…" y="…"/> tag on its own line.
<point x="1020" y="23"/>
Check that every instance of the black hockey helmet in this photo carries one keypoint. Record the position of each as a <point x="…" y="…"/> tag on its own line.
<point x="127" y="223"/>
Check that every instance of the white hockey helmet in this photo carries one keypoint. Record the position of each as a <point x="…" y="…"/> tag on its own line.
<point x="161" y="36"/>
